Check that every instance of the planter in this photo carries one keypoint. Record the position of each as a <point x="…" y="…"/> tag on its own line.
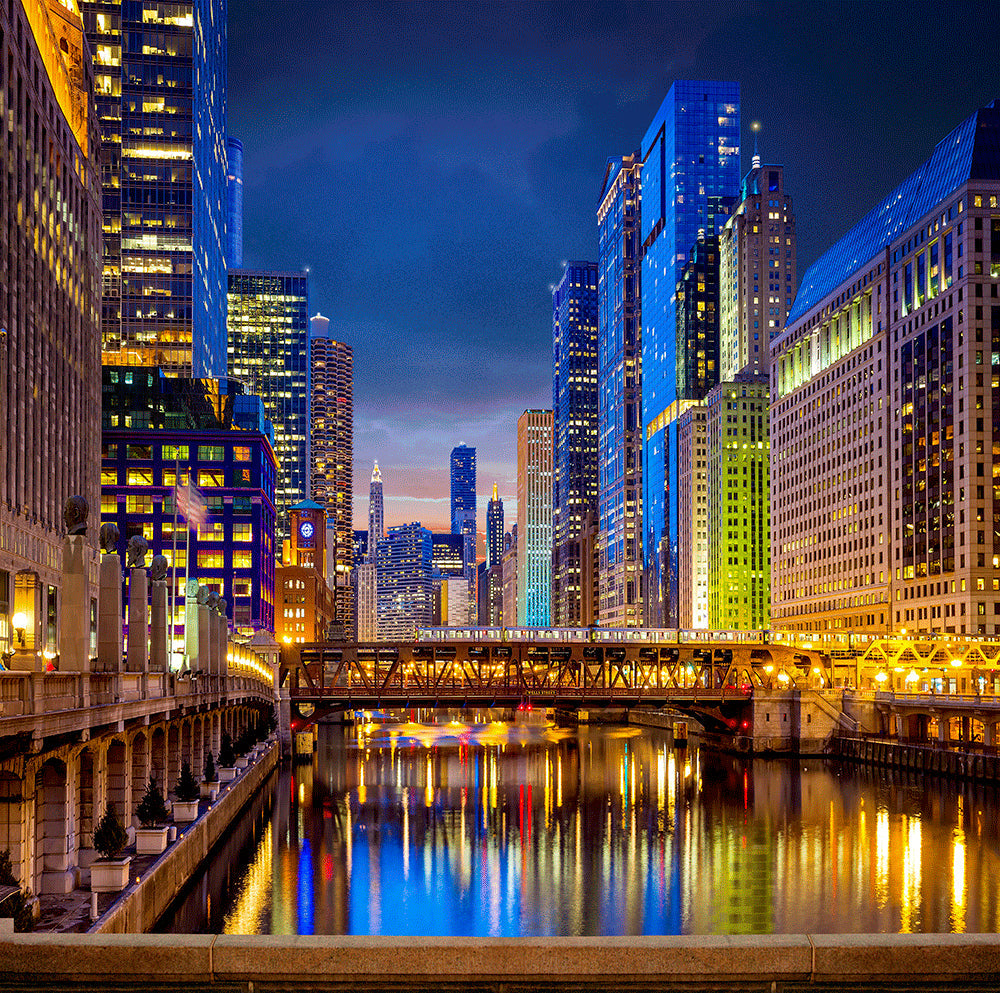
<point x="242" y="762"/>
<point x="227" y="774"/>
<point x="150" y="841"/>
<point x="185" y="811"/>
<point x="109" y="875"/>
<point x="209" y="791"/>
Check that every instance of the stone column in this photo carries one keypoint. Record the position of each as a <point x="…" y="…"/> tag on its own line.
<point x="192" y="627"/>
<point x="74" y="620"/>
<point x="989" y="734"/>
<point x="942" y="729"/>
<point x="204" y="638"/>
<point x="109" y="611"/>
<point x="137" y="654"/>
<point x="159" y="659"/>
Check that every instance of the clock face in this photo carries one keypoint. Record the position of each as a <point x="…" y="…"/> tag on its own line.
<point x="306" y="529"/>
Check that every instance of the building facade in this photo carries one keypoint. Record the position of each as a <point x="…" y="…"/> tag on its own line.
<point x="739" y="514"/>
<point x="494" y="529"/>
<point x="463" y="498"/>
<point x="692" y="502"/>
<point x="268" y="320"/>
<point x="574" y="425"/>
<point x="619" y="396"/>
<point x="885" y="413"/>
<point x="234" y="203"/>
<point x="534" y="519"/>
<point x="690" y="154"/>
<point x="405" y="587"/>
<point x="160" y="76"/>
<point x="159" y="434"/>
<point x="376" y="521"/>
<point x="304" y="602"/>
<point x="331" y="446"/>
<point x="366" y="581"/>
<point x="50" y="215"/>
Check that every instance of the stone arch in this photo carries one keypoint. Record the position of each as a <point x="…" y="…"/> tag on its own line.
<point x="158" y="755"/>
<point x="12" y="827"/>
<point x="140" y="771"/>
<point x="85" y="819"/>
<point x="186" y="741"/>
<point x="53" y="830"/>
<point x="118" y="776"/>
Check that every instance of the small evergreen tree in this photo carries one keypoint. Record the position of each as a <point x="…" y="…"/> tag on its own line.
<point x="110" y="837"/>
<point x="152" y="809"/>
<point x="244" y="742"/>
<point x="16" y="905"/>
<point x="209" y="770"/>
<point x="187" y="789"/>
<point x="227" y="758"/>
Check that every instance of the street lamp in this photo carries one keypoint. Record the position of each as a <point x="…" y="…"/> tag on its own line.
<point x="19" y="622"/>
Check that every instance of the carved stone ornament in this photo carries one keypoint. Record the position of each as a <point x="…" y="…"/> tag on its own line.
<point x="222" y="606"/>
<point x="203" y="592"/>
<point x="136" y="552"/>
<point x="191" y="589"/>
<point x="75" y="515"/>
<point x="109" y="537"/>
<point x="213" y="600"/>
<point x="158" y="568"/>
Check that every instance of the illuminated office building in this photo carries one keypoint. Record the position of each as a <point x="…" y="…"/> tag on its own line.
<point x="268" y="353"/>
<point x="160" y="76"/>
<point x="885" y="411"/>
<point x="692" y="502"/>
<point x="331" y="449"/>
<point x="494" y="529"/>
<point x="366" y="582"/>
<point x="405" y="587"/>
<point x="739" y="514"/>
<point x="304" y="611"/>
<point x="574" y="419"/>
<point x="376" y="523"/>
<point x="50" y="215"/>
<point x="463" y="498"/>
<point x="690" y="155"/>
<point x="619" y="397"/>
<point x="534" y="519"/>
<point x="234" y="203"/>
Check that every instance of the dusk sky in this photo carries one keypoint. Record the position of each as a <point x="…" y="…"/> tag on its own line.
<point x="434" y="165"/>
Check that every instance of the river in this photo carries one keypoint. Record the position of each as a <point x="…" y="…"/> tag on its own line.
<point x="483" y="827"/>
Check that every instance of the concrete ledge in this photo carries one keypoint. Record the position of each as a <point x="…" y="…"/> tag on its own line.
<point x="621" y="963"/>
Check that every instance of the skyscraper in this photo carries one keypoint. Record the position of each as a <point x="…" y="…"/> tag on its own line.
<point x="376" y="525"/>
<point x="690" y="153"/>
<point x="405" y="589"/>
<point x="885" y="412"/>
<point x="234" y="203"/>
<point x="331" y="448"/>
<point x="534" y="518"/>
<point x="463" y="499"/>
<point x="160" y="77"/>
<point x="692" y="502"/>
<point x="268" y="352"/>
<point x="574" y="406"/>
<point x="50" y="403"/>
<point x="619" y="400"/>
<point x="494" y="529"/>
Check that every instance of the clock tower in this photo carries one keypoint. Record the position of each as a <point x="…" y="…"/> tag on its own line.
<point x="308" y="536"/>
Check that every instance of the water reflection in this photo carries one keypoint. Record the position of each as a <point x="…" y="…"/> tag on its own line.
<point x="507" y="829"/>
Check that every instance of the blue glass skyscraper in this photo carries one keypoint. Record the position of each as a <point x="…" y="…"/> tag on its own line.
<point x="463" y="498"/>
<point x="690" y="153"/>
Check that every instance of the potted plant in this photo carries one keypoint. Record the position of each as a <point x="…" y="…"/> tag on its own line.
<point x="243" y="745"/>
<point x="187" y="793"/>
<point x="109" y="873"/>
<point x="210" y="787"/>
<point x="151" y="838"/>
<point x="227" y="759"/>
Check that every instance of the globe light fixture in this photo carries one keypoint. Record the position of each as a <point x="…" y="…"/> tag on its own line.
<point x="19" y="622"/>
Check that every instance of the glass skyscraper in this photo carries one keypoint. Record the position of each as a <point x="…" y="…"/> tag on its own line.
<point x="405" y="588"/>
<point x="234" y="204"/>
<point x="160" y="81"/>
<point x="463" y="498"/>
<point x="690" y="154"/>
<point x="494" y="530"/>
<point x="534" y="519"/>
<point x="574" y="406"/>
<point x="269" y="353"/>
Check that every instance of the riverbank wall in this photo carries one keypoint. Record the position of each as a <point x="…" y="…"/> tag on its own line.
<point x="146" y="900"/>
<point x="774" y="963"/>
<point x="956" y="764"/>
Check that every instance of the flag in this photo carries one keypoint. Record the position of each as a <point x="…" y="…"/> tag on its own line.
<point x="191" y="505"/>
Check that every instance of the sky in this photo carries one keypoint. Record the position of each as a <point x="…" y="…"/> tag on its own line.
<point x="434" y="166"/>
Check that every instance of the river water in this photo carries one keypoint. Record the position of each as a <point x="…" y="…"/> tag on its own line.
<point x="507" y="828"/>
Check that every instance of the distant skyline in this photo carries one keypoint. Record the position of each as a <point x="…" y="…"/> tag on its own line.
<point x="434" y="172"/>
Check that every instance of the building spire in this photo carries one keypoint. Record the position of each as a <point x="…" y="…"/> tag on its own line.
<point x="495" y="493"/>
<point x="755" y="161"/>
<point x="376" y="475"/>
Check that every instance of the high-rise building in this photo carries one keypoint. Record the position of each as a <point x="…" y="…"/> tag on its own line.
<point x="376" y="524"/>
<point x="50" y="399"/>
<point x="757" y="271"/>
<point x="304" y="602"/>
<point x="367" y="611"/>
<point x="463" y="498"/>
<point x="690" y="154"/>
<point x="739" y="514"/>
<point x="494" y="529"/>
<point x="160" y="76"/>
<point x="574" y="406"/>
<point x="269" y="353"/>
<point x="331" y="449"/>
<point x="448" y="554"/>
<point x="692" y="503"/>
<point x="405" y="587"/>
<point x="885" y="413"/>
<point x="619" y="386"/>
<point x="534" y="518"/>
<point x="508" y="569"/>
<point x="234" y="203"/>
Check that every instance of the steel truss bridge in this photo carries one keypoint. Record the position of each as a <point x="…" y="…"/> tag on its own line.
<point x="544" y="668"/>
